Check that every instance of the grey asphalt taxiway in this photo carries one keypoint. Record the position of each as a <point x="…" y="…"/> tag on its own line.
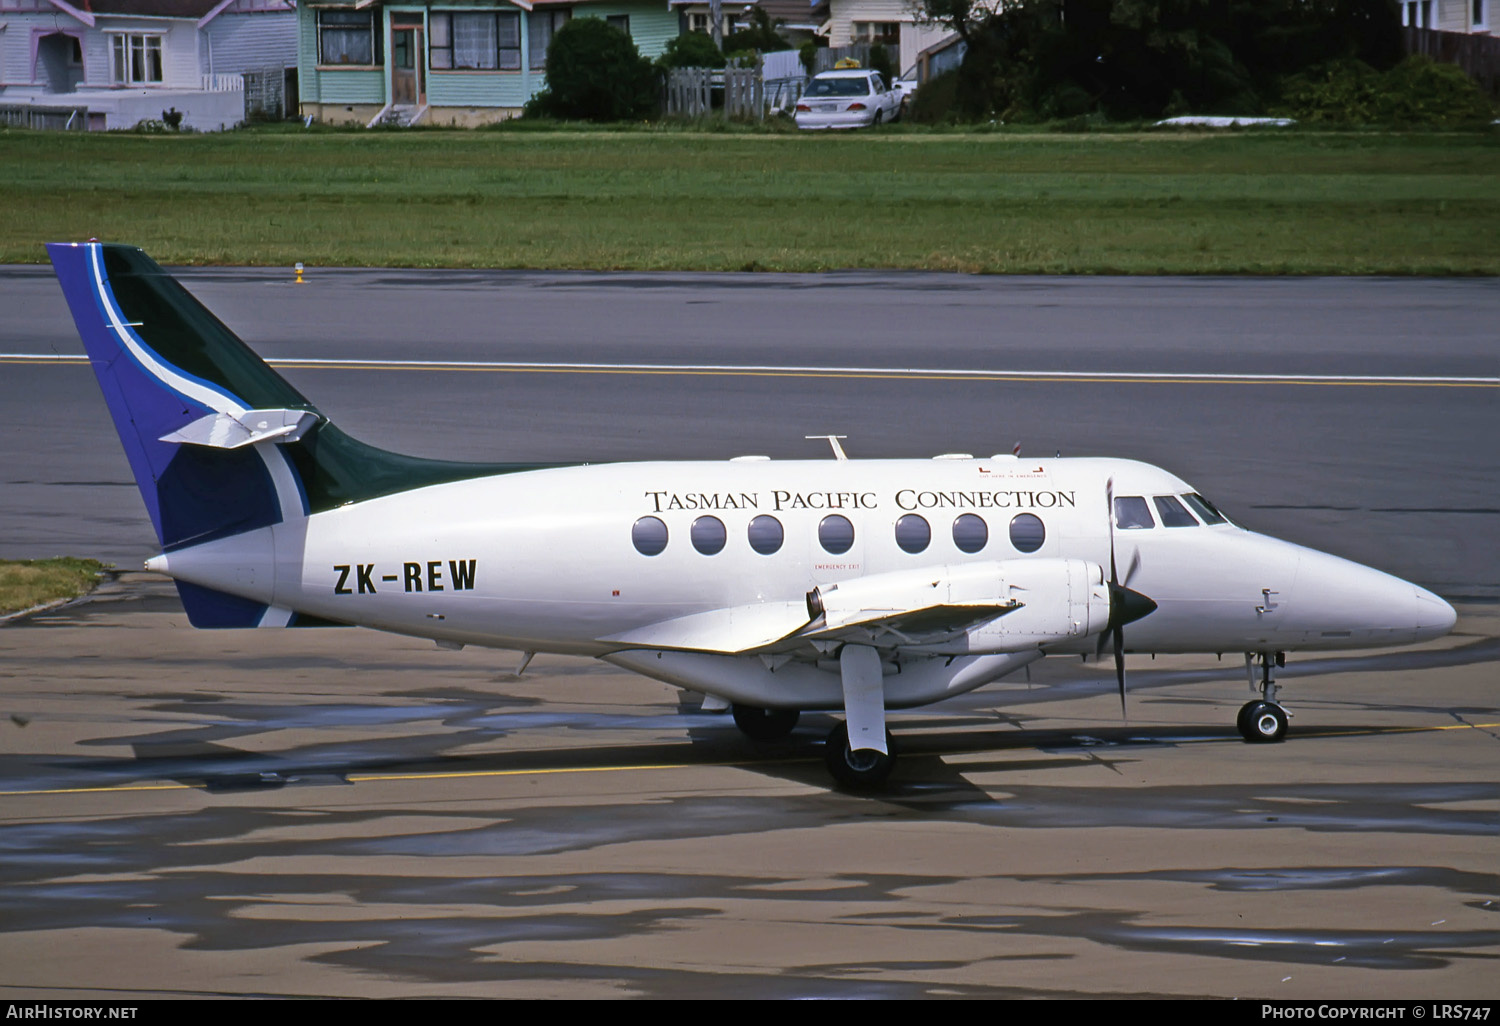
<point x="346" y="813"/>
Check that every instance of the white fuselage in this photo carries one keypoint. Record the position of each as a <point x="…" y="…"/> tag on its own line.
<point x="544" y="560"/>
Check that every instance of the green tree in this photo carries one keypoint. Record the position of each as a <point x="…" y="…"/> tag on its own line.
<point x="761" y="36"/>
<point x="1146" y="58"/>
<point x="691" y="50"/>
<point x="595" y="73"/>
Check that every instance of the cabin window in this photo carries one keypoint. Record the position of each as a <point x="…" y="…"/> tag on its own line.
<point x="913" y="533"/>
<point x="836" y="534"/>
<point x="477" y="41"/>
<point x="540" y="26"/>
<point x="1172" y="512"/>
<point x="649" y="535"/>
<point x="766" y="535"/>
<point x="708" y="535"/>
<point x="1132" y="513"/>
<point x="1027" y="532"/>
<point x="136" y="59"/>
<point x="970" y="533"/>
<point x="1204" y="508"/>
<point x="348" y="37"/>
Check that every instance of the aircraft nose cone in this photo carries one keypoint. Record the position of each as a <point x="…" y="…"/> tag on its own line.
<point x="1434" y="617"/>
<point x="1336" y="597"/>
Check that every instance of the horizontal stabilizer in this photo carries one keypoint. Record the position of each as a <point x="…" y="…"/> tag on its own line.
<point x="228" y="431"/>
<point x="723" y="631"/>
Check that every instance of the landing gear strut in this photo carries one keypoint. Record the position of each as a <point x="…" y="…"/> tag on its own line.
<point x="1263" y="721"/>
<point x="765" y="724"/>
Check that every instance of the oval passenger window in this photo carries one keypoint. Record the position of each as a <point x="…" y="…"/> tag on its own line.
<point x="1027" y="532"/>
<point x="913" y="533"/>
<point x="836" y="534"/>
<point x="766" y="535"/>
<point x="649" y="535"/>
<point x="708" y="535"/>
<point x="970" y="533"/>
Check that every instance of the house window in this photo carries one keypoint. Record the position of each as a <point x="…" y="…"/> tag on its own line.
<point x="619" y="21"/>
<point x="482" y="41"/>
<point x="887" y="33"/>
<point x="348" y="37"/>
<point x="698" y="23"/>
<point x="1417" y="13"/>
<point x="136" y="59"/>
<point x="540" y="26"/>
<point x="1479" y="19"/>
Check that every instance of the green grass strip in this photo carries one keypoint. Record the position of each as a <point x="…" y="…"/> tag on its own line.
<point x="1258" y="202"/>
<point x="27" y="583"/>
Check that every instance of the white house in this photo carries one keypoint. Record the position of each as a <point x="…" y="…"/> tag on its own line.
<point x="107" y="64"/>
<point x="1474" y="16"/>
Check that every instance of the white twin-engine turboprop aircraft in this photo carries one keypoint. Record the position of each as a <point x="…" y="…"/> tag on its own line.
<point x="774" y="586"/>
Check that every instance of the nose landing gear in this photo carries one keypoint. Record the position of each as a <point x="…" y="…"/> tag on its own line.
<point x="1263" y="721"/>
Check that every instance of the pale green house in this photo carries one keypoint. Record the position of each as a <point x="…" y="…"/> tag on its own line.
<point x="445" y="63"/>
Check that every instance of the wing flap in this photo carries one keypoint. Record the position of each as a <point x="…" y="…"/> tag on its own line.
<point x="729" y="631"/>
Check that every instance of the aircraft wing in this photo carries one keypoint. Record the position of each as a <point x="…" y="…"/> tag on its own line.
<point x="744" y="630"/>
<point x="991" y="606"/>
<point x="729" y="631"/>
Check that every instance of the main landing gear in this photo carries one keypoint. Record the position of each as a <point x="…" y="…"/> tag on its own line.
<point x="765" y="724"/>
<point x="1263" y="721"/>
<point x="859" y="770"/>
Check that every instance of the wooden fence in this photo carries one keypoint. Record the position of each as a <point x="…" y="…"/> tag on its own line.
<point x="689" y="93"/>
<point x="1478" y="55"/>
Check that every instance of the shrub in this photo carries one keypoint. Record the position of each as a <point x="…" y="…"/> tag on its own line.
<point x="1418" y="91"/>
<point x="595" y="73"/>
<point x="933" y="103"/>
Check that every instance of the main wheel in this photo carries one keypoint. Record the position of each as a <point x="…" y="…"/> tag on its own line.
<point x="1261" y="722"/>
<point x="861" y="770"/>
<point x="765" y="724"/>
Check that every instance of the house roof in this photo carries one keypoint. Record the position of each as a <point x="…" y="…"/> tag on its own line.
<point x="157" y="8"/>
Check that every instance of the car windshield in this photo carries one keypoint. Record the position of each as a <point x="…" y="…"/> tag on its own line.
<point x="839" y="87"/>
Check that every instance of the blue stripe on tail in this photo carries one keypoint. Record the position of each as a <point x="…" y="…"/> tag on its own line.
<point x="127" y="310"/>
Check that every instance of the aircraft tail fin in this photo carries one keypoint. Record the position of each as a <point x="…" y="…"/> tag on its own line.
<point x="218" y="442"/>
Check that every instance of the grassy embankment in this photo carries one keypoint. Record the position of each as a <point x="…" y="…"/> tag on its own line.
<point x="1140" y="203"/>
<point x="27" y="583"/>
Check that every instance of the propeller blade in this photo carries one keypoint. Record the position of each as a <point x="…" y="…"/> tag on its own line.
<point x="1120" y="669"/>
<point x="1135" y="564"/>
<point x="1109" y="514"/>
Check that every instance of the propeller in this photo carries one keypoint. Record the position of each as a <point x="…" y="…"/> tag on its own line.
<point x="1125" y="605"/>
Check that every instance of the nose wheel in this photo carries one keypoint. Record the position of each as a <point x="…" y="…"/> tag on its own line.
<point x="1263" y="721"/>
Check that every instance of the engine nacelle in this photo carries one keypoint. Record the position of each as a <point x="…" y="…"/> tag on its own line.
<point x="994" y="606"/>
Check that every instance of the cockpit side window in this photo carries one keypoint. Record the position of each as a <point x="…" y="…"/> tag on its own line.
<point x="1131" y="512"/>
<point x="1204" y="508"/>
<point x="1172" y="512"/>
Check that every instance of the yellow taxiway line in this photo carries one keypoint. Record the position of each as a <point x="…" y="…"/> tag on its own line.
<point x="370" y="778"/>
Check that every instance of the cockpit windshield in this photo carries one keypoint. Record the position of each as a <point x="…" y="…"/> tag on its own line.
<point x="1205" y="509"/>
<point x="1132" y="513"/>
<point x="1172" y="512"/>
